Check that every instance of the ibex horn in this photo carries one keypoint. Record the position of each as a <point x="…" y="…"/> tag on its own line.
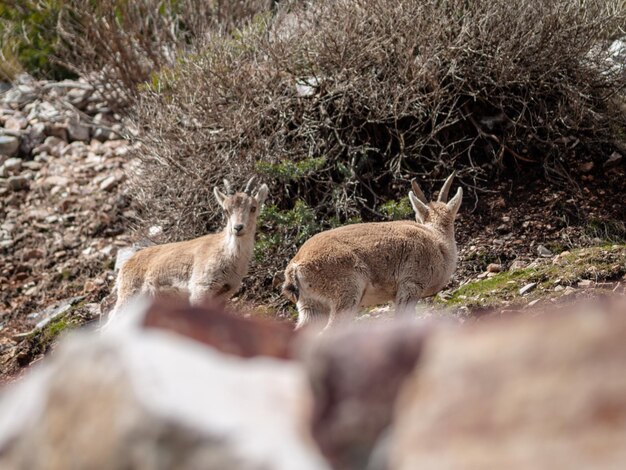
<point x="250" y="185"/>
<point x="418" y="192"/>
<point x="228" y="187"/>
<point x="445" y="189"/>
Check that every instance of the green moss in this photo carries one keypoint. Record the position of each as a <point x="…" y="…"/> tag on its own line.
<point x="397" y="210"/>
<point x="39" y="341"/>
<point x="55" y="328"/>
<point x="503" y="286"/>
<point x="601" y="263"/>
<point x="283" y="228"/>
<point x="30" y="37"/>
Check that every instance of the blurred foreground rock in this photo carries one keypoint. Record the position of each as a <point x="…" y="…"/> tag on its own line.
<point x="541" y="393"/>
<point x="356" y="373"/>
<point x="179" y="387"/>
<point x="146" y="397"/>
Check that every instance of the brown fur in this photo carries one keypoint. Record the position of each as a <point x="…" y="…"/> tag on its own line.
<point x="337" y="271"/>
<point x="209" y="267"/>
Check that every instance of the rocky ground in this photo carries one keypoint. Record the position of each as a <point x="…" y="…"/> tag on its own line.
<point x="65" y="213"/>
<point x="63" y="208"/>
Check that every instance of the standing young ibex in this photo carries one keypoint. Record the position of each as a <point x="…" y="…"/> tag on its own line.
<point x="209" y="267"/>
<point x="337" y="271"/>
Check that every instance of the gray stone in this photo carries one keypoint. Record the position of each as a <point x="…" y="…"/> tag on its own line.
<point x="18" y="183"/>
<point x="32" y="165"/>
<point x="9" y="145"/>
<point x="57" y="129"/>
<point x="544" y="252"/>
<point x="20" y="95"/>
<point x="33" y="136"/>
<point x="79" y="97"/>
<point x="77" y="130"/>
<point x="52" y="145"/>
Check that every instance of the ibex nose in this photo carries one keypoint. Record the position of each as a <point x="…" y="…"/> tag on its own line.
<point x="238" y="228"/>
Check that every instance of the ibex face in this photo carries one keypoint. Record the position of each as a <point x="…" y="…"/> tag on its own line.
<point x="240" y="209"/>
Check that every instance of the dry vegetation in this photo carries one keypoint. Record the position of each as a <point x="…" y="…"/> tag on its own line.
<point x="338" y="104"/>
<point x="121" y="44"/>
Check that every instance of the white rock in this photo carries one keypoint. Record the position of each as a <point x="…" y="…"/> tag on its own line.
<point x="13" y="165"/>
<point x="155" y="230"/>
<point x="527" y="288"/>
<point x="109" y="182"/>
<point x="132" y="398"/>
<point x="55" y="180"/>
<point x="306" y="87"/>
<point x="517" y="265"/>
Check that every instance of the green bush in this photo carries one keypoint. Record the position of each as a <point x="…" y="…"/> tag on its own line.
<point x="29" y="38"/>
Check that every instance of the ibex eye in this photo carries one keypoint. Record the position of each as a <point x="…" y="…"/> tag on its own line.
<point x="253" y="209"/>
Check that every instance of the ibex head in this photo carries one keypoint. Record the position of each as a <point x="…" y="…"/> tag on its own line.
<point x="440" y="212"/>
<point x="241" y="208"/>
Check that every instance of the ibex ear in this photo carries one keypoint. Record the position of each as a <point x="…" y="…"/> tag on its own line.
<point x="454" y="203"/>
<point x="421" y="209"/>
<point x="220" y="196"/>
<point x="261" y="194"/>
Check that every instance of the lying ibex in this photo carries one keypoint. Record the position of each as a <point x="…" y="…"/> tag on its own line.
<point x="337" y="271"/>
<point x="209" y="267"/>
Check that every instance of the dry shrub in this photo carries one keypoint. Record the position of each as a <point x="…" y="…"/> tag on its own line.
<point x="388" y="91"/>
<point x="119" y="44"/>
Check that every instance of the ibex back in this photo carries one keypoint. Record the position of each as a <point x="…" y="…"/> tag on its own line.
<point x="337" y="271"/>
<point x="209" y="267"/>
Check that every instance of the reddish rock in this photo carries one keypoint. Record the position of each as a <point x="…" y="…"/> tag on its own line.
<point x="225" y="331"/>
<point x="542" y="393"/>
<point x="494" y="268"/>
